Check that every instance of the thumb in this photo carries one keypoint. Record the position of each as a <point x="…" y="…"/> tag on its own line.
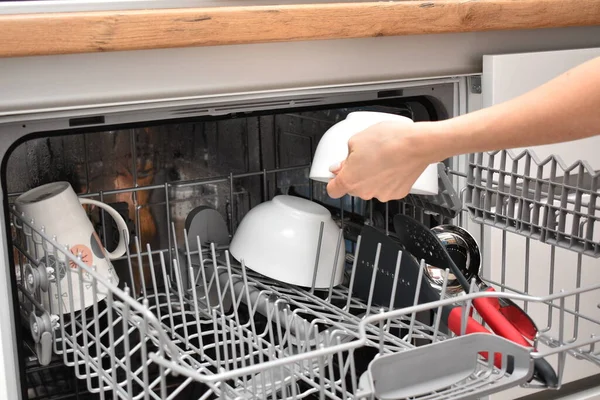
<point x="336" y="187"/>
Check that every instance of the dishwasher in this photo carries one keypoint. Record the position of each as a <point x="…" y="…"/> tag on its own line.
<point x="181" y="318"/>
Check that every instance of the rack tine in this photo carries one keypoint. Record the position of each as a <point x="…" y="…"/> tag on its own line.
<point x="98" y="342"/>
<point x="281" y="349"/>
<point x="203" y="275"/>
<point x="310" y="363"/>
<point x="561" y="336"/>
<point x="125" y="321"/>
<point x="242" y="337"/>
<point x="130" y="265"/>
<point x="261" y="359"/>
<point x="181" y="302"/>
<point x="226" y="360"/>
<point x="329" y="361"/>
<point x="353" y="378"/>
<point x="317" y="257"/>
<point x="577" y="300"/>
<point x="111" y="340"/>
<point x="188" y="257"/>
<point x="292" y="368"/>
<point x="413" y="315"/>
<point x="467" y="308"/>
<point x="527" y="274"/>
<point x="249" y="302"/>
<point x="168" y="292"/>
<point x="381" y="331"/>
<point x="84" y="328"/>
<point x="61" y="313"/>
<point x="71" y="310"/>
<point x="278" y="325"/>
<point x="373" y="278"/>
<point x="140" y="266"/>
<point x="438" y="314"/>
<point x="270" y="312"/>
<point x="335" y="262"/>
<point x="321" y="375"/>
<point x="341" y="368"/>
<point x="216" y="280"/>
<point x="353" y="273"/>
<point x="144" y="350"/>
<point x="551" y="288"/>
<point x="234" y="357"/>
<point x="196" y="312"/>
<point x="396" y="278"/>
<point x="216" y="338"/>
<point x="175" y="243"/>
<point x="154" y="283"/>
<point x="231" y="288"/>
<point x="249" y="341"/>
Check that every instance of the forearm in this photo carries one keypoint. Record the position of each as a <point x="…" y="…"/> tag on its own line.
<point x="564" y="109"/>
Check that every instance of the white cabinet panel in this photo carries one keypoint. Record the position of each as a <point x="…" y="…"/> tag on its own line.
<point x="505" y="77"/>
<point x="508" y="76"/>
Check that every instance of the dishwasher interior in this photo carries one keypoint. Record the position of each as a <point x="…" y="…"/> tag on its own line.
<point x="188" y="320"/>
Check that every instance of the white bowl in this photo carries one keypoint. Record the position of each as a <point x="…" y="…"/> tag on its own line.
<point x="333" y="149"/>
<point x="279" y="239"/>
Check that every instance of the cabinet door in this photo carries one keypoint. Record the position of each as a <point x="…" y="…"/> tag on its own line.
<point x="505" y="77"/>
<point x="508" y="76"/>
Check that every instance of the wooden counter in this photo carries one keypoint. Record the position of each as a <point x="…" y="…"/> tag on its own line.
<point x="83" y="32"/>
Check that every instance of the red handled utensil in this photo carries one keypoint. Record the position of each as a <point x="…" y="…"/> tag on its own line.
<point x="464" y="251"/>
<point x="424" y="244"/>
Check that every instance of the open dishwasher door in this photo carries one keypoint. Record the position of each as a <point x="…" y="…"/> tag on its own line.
<point x="529" y="254"/>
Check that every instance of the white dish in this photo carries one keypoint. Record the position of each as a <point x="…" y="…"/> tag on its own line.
<point x="333" y="149"/>
<point x="279" y="239"/>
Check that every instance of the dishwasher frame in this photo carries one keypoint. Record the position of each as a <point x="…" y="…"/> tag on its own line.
<point x="15" y="127"/>
<point x="465" y="98"/>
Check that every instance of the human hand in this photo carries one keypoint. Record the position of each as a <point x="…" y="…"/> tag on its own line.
<point x="384" y="161"/>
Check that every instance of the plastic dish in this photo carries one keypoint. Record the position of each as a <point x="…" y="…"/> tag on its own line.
<point x="333" y="149"/>
<point x="280" y="239"/>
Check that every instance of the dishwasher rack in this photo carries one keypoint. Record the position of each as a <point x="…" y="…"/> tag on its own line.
<point x="244" y="336"/>
<point x="541" y="199"/>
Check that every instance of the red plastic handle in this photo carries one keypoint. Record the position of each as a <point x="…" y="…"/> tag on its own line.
<point x="454" y="323"/>
<point x="516" y="316"/>
<point x="521" y="321"/>
<point x="488" y="310"/>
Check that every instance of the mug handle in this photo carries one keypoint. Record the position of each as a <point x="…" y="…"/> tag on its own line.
<point x="121" y="248"/>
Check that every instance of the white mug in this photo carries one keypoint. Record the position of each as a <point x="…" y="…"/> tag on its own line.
<point x="55" y="208"/>
<point x="333" y="149"/>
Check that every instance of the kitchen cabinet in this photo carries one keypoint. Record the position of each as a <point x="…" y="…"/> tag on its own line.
<point x="506" y="76"/>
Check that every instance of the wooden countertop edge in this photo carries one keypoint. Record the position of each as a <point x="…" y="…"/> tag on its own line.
<point x="85" y="32"/>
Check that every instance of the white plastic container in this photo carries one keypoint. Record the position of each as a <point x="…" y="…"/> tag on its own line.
<point x="333" y="149"/>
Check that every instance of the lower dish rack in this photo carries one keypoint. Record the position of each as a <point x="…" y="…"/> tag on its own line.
<point x="218" y="330"/>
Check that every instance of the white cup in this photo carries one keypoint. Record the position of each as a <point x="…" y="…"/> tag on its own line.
<point x="333" y="149"/>
<point x="56" y="208"/>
